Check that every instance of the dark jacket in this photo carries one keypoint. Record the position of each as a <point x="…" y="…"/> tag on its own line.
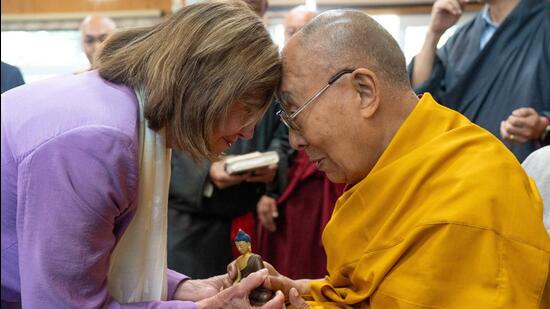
<point x="510" y="72"/>
<point x="11" y="77"/>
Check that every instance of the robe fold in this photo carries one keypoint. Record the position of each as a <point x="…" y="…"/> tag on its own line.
<point x="447" y="218"/>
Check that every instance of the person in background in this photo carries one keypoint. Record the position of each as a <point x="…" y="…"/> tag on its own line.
<point x="525" y="125"/>
<point x="94" y="29"/>
<point x="77" y="179"/>
<point x="204" y="200"/>
<point x="291" y="226"/>
<point x="493" y="69"/>
<point x="537" y="167"/>
<point x="296" y="19"/>
<point x="438" y="212"/>
<point x="11" y="77"/>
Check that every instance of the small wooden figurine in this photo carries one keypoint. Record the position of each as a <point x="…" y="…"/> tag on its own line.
<point x="248" y="263"/>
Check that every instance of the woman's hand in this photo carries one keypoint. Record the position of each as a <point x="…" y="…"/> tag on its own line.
<point x="277" y="282"/>
<point x="264" y="175"/>
<point x="236" y="296"/>
<point x="199" y="289"/>
<point x="221" y="179"/>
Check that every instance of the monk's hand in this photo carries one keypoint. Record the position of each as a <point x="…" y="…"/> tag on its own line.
<point x="278" y="282"/>
<point x="522" y="125"/>
<point x="296" y="300"/>
<point x="221" y="179"/>
<point x="445" y="13"/>
<point x="267" y="212"/>
<point x="199" y="289"/>
<point x="264" y="175"/>
<point x="236" y="296"/>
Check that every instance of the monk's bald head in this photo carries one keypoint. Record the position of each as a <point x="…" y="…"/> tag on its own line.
<point x="94" y="29"/>
<point x="352" y="39"/>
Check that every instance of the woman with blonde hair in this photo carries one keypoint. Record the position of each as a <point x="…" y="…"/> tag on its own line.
<point x="86" y="161"/>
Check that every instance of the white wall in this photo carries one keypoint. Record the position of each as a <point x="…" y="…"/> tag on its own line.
<point x="43" y="54"/>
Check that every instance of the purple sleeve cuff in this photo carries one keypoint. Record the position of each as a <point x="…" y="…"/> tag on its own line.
<point x="174" y="279"/>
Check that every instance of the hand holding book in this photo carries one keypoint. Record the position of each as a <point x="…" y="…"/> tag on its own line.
<point x="221" y="179"/>
<point x="251" y="162"/>
<point x="251" y="167"/>
<point x="263" y="174"/>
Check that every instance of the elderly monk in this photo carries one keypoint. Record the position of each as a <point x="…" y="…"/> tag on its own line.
<point x="291" y="226"/>
<point x="438" y="213"/>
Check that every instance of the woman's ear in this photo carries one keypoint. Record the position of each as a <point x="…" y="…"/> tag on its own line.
<point x="367" y="85"/>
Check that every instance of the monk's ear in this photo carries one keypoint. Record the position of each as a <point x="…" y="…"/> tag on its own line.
<point x="367" y="85"/>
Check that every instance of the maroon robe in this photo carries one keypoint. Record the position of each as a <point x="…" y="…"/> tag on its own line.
<point x="295" y="248"/>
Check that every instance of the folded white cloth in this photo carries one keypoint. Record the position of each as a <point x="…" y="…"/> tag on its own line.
<point x="138" y="263"/>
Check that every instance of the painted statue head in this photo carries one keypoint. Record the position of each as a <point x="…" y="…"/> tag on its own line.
<point x="243" y="242"/>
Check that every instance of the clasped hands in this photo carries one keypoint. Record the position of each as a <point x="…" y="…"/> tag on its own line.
<point x="522" y="125"/>
<point x="221" y="291"/>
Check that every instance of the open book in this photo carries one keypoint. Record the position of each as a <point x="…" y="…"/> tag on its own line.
<point x="250" y="161"/>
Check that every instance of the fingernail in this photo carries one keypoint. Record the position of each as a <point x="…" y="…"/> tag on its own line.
<point x="294" y="292"/>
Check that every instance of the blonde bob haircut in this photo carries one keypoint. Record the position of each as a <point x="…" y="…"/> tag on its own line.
<point x="193" y="66"/>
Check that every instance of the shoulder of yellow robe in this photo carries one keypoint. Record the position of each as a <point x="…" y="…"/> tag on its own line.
<point x="447" y="217"/>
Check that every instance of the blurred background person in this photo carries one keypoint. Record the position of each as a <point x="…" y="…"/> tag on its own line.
<point x="291" y="226"/>
<point x="296" y="19"/>
<point x="493" y="67"/>
<point x="206" y="204"/>
<point x="94" y="29"/>
<point x="11" y="77"/>
<point x="258" y="6"/>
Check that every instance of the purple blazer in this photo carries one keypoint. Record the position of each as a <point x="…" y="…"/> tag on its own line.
<point x="69" y="182"/>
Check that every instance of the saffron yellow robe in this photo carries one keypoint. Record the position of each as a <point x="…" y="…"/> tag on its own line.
<point x="447" y="218"/>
